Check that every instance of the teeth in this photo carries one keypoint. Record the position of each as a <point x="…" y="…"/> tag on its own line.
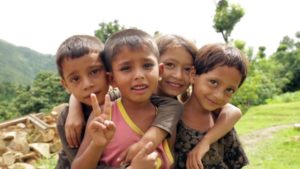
<point x="139" y="87"/>
<point x="174" y="84"/>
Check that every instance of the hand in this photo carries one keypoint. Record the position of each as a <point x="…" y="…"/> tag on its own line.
<point x="100" y="129"/>
<point x="144" y="158"/>
<point x="101" y="132"/>
<point x="195" y="156"/>
<point x="127" y="155"/>
<point x="73" y="128"/>
<point x="97" y="110"/>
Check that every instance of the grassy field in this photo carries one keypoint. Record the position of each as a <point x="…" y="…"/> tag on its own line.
<point x="282" y="148"/>
<point x="279" y="152"/>
<point x="269" y="115"/>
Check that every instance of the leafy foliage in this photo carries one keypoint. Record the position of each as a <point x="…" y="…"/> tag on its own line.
<point x="288" y="54"/>
<point x="285" y="98"/>
<point x="45" y="93"/>
<point x="226" y="17"/>
<point x="107" y="29"/>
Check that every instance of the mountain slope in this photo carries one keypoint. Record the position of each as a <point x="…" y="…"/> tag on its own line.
<point x="20" y="64"/>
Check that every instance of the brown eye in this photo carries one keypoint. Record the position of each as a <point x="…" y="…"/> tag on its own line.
<point x="169" y="65"/>
<point x="213" y="83"/>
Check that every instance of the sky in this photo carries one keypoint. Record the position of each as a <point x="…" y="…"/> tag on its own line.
<point x="43" y="24"/>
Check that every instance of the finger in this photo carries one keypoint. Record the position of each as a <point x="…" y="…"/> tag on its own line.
<point x="110" y="125"/>
<point x="73" y="137"/>
<point x="200" y="164"/>
<point x="95" y="105"/>
<point x="195" y="162"/>
<point x="122" y="156"/>
<point x="153" y="155"/>
<point x="78" y="136"/>
<point x="145" y="150"/>
<point x="97" y="125"/>
<point x="107" y="107"/>
<point x="69" y="138"/>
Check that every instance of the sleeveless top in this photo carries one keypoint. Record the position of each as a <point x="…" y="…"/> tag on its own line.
<point x="128" y="133"/>
<point x="226" y="153"/>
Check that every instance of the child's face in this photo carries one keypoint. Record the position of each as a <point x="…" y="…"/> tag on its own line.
<point x="85" y="75"/>
<point x="215" y="88"/>
<point x="178" y="64"/>
<point x="136" y="74"/>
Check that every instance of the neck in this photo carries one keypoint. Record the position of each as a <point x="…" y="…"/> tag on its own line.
<point x="193" y="105"/>
<point x="132" y="106"/>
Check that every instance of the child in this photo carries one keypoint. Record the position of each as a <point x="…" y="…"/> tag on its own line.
<point x="131" y="58"/>
<point x="82" y="72"/>
<point x="220" y="71"/>
<point x="178" y="55"/>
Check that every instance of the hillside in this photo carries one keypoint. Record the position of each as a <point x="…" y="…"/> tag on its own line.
<point x="20" y="64"/>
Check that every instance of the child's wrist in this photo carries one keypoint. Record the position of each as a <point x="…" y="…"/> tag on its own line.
<point x="97" y="146"/>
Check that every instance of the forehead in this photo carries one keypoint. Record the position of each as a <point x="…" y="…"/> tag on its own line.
<point x="178" y="54"/>
<point x="128" y="54"/>
<point x="71" y="65"/>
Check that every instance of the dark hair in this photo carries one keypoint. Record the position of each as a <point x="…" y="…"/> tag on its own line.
<point x="133" y="39"/>
<point x="166" y="42"/>
<point x="75" y="47"/>
<point x="212" y="55"/>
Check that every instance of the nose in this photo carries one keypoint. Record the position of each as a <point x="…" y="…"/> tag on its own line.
<point x="219" y="95"/>
<point x="178" y="74"/>
<point x="87" y="83"/>
<point x="139" y="74"/>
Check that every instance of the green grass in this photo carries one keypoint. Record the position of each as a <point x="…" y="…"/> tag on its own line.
<point x="282" y="151"/>
<point x="269" y="115"/>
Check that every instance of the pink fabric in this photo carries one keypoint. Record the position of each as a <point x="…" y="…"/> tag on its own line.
<point x="123" y="138"/>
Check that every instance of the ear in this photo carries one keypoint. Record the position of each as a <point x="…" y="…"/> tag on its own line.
<point x="161" y="70"/>
<point x="192" y="75"/>
<point x="64" y="84"/>
<point x="111" y="79"/>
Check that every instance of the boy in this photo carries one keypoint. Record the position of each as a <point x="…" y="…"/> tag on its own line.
<point x="83" y="73"/>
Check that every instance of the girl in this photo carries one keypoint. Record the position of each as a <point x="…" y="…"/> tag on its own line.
<point x="219" y="71"/>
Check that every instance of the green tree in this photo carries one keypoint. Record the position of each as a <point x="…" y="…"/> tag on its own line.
<point x="226" y="17"/>
<point x="288" y="54"/>
<point x="107" y="29"/>
<point x="45" y="93"/>
<point x="261" y="52"/>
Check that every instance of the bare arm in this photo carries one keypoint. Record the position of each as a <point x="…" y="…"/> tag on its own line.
<point x="98" y="134"/>
<point x="227" y="118"/>
<point x="74" y="123"/>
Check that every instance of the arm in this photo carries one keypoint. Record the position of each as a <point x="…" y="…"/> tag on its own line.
<point x="169" y="113"/>
<point x="227" y="118"/>
<point x="68" y="154"/>
<point x="98" y="134"/>
<point x="74" y="123"/>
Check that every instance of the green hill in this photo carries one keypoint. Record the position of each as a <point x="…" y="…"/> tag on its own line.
<point x="20" y="64"/>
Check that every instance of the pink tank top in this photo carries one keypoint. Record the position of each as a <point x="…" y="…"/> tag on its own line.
<point x="128" y="133"/>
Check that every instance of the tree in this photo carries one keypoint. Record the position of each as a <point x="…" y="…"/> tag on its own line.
<point x="107" y="29"/>
<point x="226" y="18"/>
<point x="45" y="93"/>
<point x="288" y="54"/>
<point x="261" y="52"/>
